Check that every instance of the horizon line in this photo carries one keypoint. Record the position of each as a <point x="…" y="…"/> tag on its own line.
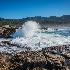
<point x="35" y="16"/>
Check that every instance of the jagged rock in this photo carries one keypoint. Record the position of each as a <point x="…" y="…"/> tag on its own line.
<point x="6" y="31"/>
<point x="54" y="60"/>
<point x="29" y="60"/>
<point x="4" y="61"/>
<point x="66" y="55"/>
<point x="45" y="59"/>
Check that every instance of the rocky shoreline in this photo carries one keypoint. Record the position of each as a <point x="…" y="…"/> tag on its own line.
<point x="49" y="58"/>
<point x="6" y="31"/>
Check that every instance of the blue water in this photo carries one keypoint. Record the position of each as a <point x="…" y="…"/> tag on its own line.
<point x="43" y="38"/>
<point x="64" y="32"/>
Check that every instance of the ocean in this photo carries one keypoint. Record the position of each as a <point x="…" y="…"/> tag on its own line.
<point x="31" y="37"/>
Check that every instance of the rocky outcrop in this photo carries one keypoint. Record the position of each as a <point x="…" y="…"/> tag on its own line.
<point x="6" y="31"/>
<point x="49" y="58"/>
<point x="66" y="55"/>
<point x="28" y="61"/>
<point x="56" y="58"/>
<point x="4" y="61"/>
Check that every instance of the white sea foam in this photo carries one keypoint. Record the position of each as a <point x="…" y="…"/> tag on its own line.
<point x="30" y="36"/>
<point x="28" y="29"/>
<point x="35" y="39"/>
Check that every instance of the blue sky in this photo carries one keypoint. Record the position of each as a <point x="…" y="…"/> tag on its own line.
<point x="29" y="8"/>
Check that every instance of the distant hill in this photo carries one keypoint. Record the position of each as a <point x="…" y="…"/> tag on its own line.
<point x="52" y="20"/>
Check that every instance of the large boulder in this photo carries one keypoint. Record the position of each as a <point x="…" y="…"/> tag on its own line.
<point x="6" y="31"/>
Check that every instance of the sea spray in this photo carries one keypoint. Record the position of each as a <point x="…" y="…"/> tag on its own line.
<point x="28" y="29"/>
<point x="31" y="37"/>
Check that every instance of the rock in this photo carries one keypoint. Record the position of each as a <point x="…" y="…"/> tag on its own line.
<point x="4" y="61"/>
<point x="54" y="60"/>
<point x="45" y="59"/>
<point x="55" y="63"/>
<point x="53" y="51"/>
<point x="66" y="55"/>
<point x="6" y="31"/>
<point x="29" y="60"/>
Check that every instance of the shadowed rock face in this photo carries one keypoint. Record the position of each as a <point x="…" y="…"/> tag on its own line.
<point x="6" y="31"/>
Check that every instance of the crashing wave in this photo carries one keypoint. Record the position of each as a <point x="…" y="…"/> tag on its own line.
<point x="31" y="37"/>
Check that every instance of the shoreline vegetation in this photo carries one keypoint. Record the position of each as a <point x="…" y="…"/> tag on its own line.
<point x="43" y="21"/>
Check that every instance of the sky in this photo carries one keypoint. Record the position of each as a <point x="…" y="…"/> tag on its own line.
<point x="17" y="9"/>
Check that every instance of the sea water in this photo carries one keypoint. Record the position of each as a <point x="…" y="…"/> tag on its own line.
<point x="31" y="37"/>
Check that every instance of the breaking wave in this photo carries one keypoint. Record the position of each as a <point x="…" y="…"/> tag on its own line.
<point x="28" y="29"/>
<point x="31" y="37"/>
<point x="35" y="38"/>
